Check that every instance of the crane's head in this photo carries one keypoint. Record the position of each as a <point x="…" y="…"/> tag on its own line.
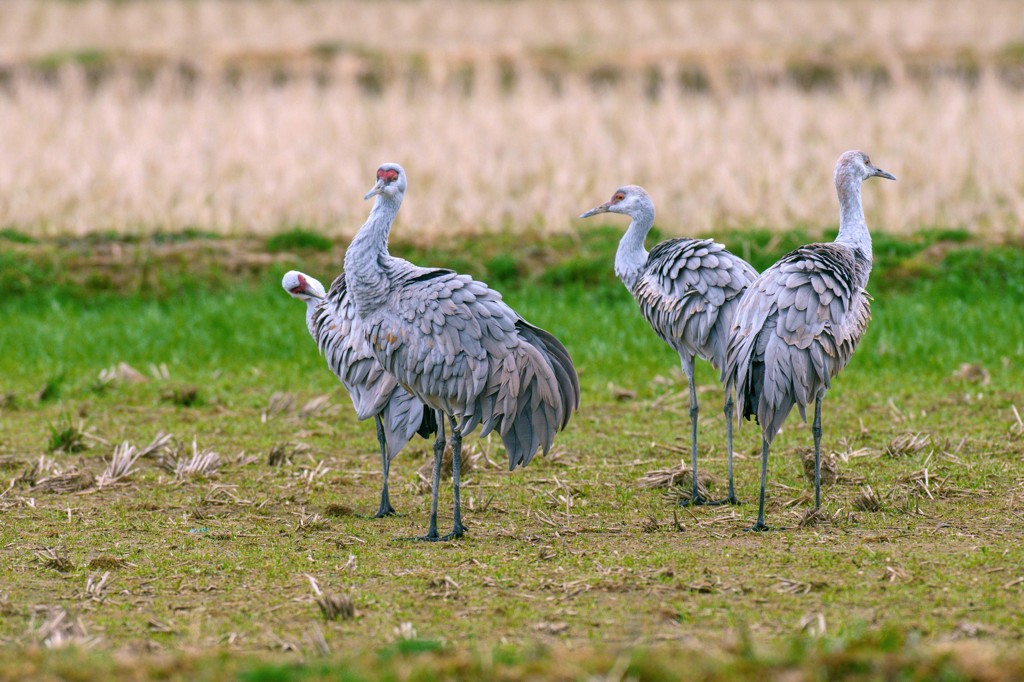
<point x="857" y="167"/>
<point x="631" y="200"/>
<point x="390" y="182"/>
<point x="303" y="287"/>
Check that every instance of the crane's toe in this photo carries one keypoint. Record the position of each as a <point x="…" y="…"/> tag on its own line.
<point x="729" y="499"/>
<point x="385" y="511"/>
<point x="758" y="527"/>
<point x="696" y="501"/>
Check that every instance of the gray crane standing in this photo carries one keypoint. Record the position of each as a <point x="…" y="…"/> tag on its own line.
<point x="332" y="323"/>
<point x="687" y="290"/>
<point x="799" y="322"/>
<point x="454" y="344"/>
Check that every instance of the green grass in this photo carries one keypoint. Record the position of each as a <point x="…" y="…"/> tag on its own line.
<point x="569" y="565"/>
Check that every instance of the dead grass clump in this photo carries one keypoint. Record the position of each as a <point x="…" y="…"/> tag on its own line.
<point x="55" y="559"/>
<point x="332" y="606"/>
<point x="158" y="446"/>
<point x="120" y="465"/>
<point x="867" y="500"/>
<point x="471" y="458"/>
<point x="829" y="466"/>
<point x="39" y="469"/>
<point x="678" y="481"/>
<point x="820" y="517"/>
<point x="310" y="522"/>
<point x="933" y="485"/>
<point x="894" y="574"/>
<point x="551" y="628"/>
<point x="283" y="453"/>
<point x="280" y="403"/>
<point x="907" y="444"/>
<point x="972" y="373"/>
<point x="320" y="405"/>
<point x="106" y="562"/>
<point x="443" y="588"/>
<point x="339" y="511"/>
<point x="278" y="455"/>
<point x="96" y="586"/>
<point x="182" y="396"/>
<point x="200" y="463"/>
<point x="71" y="481"/>
<point x="60" y="628"/>
<point x="121" y="373"/>
<point x="793" y="586"/>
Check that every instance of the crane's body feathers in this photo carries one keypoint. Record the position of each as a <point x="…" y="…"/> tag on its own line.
<point x="688" y="292"/>
<point x="455" y="345"/>
<point x="339" y="336"/>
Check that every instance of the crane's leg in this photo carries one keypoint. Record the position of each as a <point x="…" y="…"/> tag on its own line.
<point x="695" y="496"/>
<point x="731" y="498"/>
<point x="760" y="525"/>
<point x="385" y="508"/>
<point x="457" y="528"/>
<point x="439" y="444"/>
<point x="816" y="430"/>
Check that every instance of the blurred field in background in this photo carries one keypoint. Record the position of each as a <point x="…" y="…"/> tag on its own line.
<point x="253" y="116"/>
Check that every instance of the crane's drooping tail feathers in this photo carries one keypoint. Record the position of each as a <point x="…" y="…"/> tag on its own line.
<point x="558" y="357"/>
<point x="548" y="393"/>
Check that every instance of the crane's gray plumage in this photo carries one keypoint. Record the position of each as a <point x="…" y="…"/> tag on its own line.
<point x="331" y="320"/>
<point x="799" y="322"/>
<point x="687" y="290"/>
<point x="454" y="344"/>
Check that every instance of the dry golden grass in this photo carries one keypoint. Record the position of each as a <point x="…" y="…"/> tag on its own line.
<point x="208" y="29"/>
<point x="252" y="116"/>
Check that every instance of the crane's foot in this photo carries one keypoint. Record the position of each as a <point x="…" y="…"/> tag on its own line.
<point x="454" y="535"/>
<point x="730" y="499"/>
<point x="429" y="537"/>
<point x="758" y="527"/>
<point x="385" y="511"/>
<point x="698" y="501"/>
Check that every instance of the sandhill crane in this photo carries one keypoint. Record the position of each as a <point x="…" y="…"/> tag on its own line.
<point x="800" y="321"/>
<point x="454" y="344"/>
<point x="399" y="416"/>
<point x="687" y="290"/>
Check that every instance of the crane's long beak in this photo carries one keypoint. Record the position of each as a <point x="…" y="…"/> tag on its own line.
<point x="377" y="189"/>
<point x="882" y="174"/>
<point x="603" y="208"/>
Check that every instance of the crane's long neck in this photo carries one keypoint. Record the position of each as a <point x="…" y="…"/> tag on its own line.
<point x="631" y="256"/>
<point x="853" y="231"/>
<point x="365" y="275"/>
<point x="311" y="305"/>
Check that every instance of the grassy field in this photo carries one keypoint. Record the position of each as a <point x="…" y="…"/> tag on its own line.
<point x="571" y="568"/>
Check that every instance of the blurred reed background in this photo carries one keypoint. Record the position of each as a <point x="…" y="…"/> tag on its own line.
<point x="253" y="116"/>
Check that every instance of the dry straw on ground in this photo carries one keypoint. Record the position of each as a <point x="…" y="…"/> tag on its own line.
<point x="507" y="115"/>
